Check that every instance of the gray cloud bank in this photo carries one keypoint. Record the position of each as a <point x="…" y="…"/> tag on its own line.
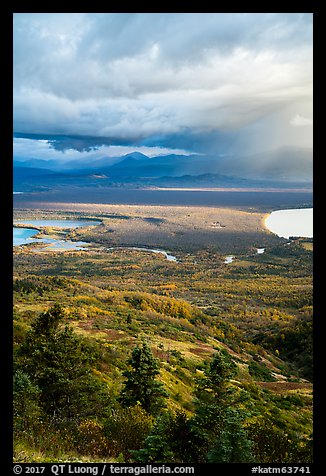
<point x="203" y="82"/>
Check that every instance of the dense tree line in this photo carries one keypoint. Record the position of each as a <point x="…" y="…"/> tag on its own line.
<point x="26" y="286"/>
<point x="59" y="400"/>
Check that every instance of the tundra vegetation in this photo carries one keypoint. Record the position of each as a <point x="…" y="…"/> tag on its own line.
<point x="123" y="356"/>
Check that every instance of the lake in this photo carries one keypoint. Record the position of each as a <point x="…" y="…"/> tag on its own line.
<point x="201" y="198"/>
<point x="23" y="236"/>
<point x="296" y="222"/>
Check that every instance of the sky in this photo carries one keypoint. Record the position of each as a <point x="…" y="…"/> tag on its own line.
<point x="191" y="83"/>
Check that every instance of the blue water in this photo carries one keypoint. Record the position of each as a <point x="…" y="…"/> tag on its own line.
<point x="23" y="236"/>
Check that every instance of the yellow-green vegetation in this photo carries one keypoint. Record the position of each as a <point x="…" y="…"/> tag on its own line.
<point x="240" y="331"/>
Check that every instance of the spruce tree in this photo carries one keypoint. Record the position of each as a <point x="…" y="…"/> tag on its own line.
<point x="59" y="363"/>
<point x="142" y="386"/>
<point x="215" y="433"/>
<point x="170" y="440"/>
<point x="219" y="434"/>
<point x="26" y="410"/>
<point x="232" y="444"/>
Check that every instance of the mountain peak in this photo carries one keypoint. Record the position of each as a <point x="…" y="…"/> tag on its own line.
<point x="135" y="155"/>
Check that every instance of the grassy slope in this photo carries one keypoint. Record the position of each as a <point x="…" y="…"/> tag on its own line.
<point x="186" y="310"/>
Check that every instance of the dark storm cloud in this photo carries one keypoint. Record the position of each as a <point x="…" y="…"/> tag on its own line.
<point x="189" y="80"/>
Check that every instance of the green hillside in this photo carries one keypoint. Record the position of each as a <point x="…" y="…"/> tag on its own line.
<point x="226" y="350"/>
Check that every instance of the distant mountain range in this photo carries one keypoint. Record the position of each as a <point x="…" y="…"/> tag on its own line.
<point x="274" y="168"/>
